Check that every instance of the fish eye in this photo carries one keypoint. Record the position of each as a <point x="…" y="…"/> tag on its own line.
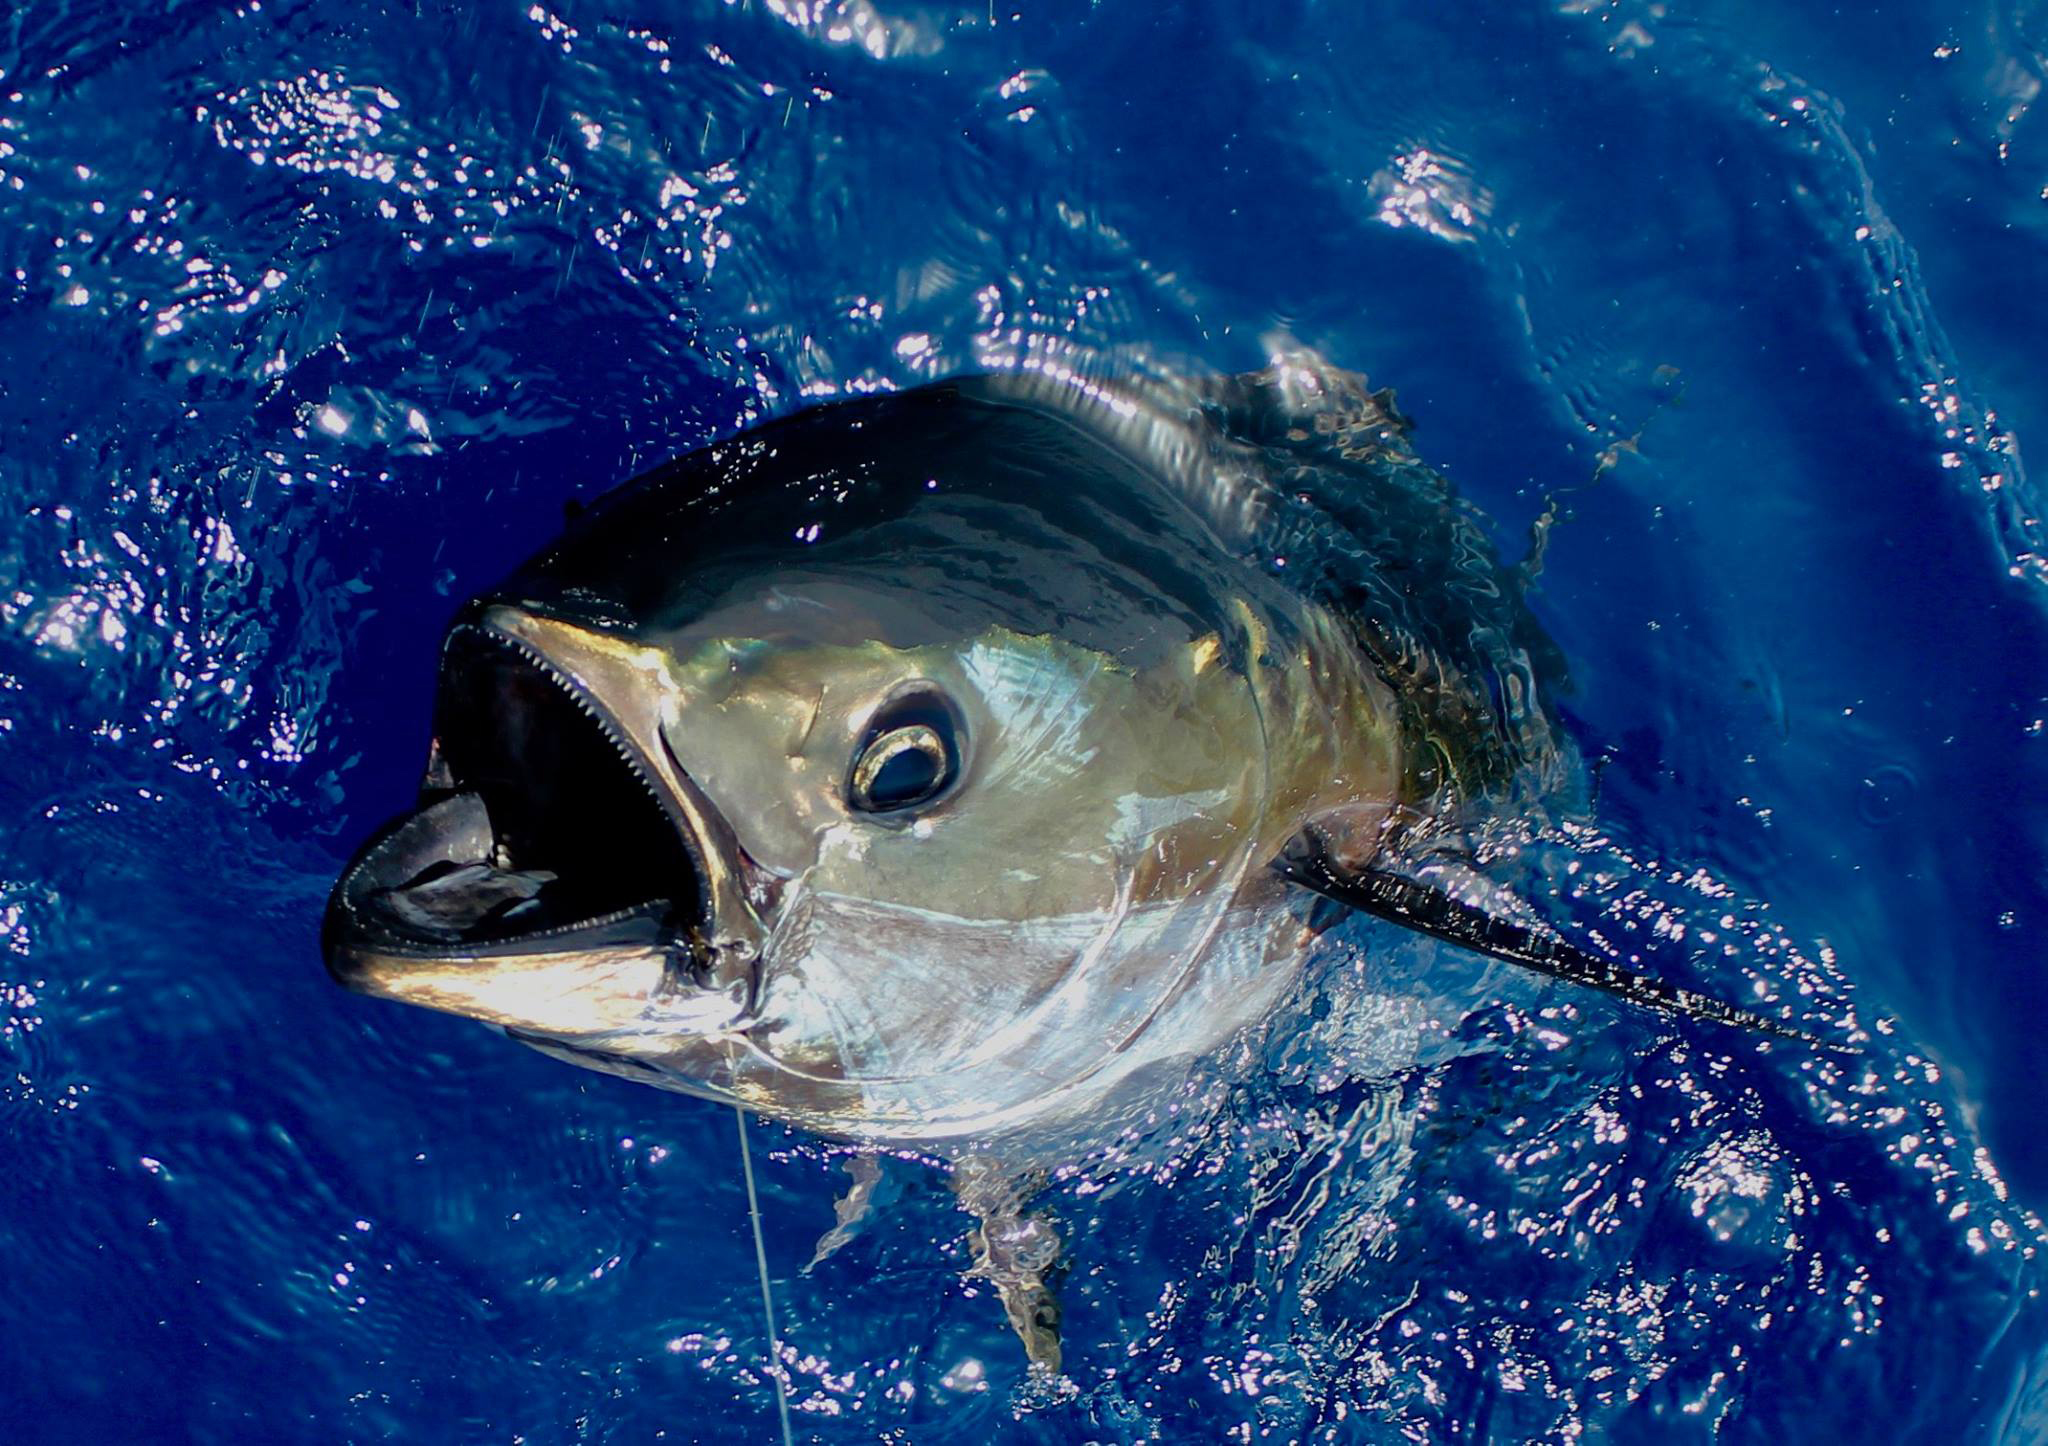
<point x="910" y="755"/>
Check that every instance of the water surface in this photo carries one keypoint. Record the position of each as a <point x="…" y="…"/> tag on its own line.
<point x="316" y="316"/>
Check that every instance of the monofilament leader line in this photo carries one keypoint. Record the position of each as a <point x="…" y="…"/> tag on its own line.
<point x="767" y="1296"/>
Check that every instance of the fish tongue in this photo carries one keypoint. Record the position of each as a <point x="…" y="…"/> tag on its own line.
<point x="463" y="900"/>
<point x="461" y="873"/>
<point x="432" y="875"/>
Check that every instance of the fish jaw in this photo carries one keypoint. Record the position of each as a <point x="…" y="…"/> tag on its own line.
<point x="561" y="875"/>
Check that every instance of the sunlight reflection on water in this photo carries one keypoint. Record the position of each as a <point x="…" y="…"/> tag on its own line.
<point x="314" y="323"/>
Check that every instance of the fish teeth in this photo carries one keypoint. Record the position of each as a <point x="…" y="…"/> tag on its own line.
<point x="540" y="663"/>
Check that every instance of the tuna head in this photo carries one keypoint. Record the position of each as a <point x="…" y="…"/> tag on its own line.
<point x="910" y="821"/>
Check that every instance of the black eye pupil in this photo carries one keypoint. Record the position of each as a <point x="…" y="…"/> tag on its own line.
<point x="910" y="776"/>
<point x="911" y="754"/>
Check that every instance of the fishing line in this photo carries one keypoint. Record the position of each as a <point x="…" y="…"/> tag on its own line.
<point x="767" y="1297"/>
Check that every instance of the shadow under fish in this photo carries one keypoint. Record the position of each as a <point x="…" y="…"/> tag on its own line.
<point x="952" y="768"/>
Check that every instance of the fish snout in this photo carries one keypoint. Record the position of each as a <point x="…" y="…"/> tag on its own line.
<point x="560" y="875"/>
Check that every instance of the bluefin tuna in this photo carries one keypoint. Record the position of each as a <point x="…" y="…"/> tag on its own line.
<point x="954" y="767"/>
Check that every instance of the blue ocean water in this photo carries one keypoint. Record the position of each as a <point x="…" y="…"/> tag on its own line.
<point x="314" y="318"/>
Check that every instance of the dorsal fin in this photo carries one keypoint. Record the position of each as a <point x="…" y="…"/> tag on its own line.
<point x="1428" y="909"/>
<point x="1302" y="401"/>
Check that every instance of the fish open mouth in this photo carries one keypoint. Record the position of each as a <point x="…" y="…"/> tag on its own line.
<point x="539" y="825"/>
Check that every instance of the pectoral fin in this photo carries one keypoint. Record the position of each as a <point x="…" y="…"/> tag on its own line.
<point x="849" y="1209"/>
<point x="1429" y="909"/>
<point x="1017" y="1253"/>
